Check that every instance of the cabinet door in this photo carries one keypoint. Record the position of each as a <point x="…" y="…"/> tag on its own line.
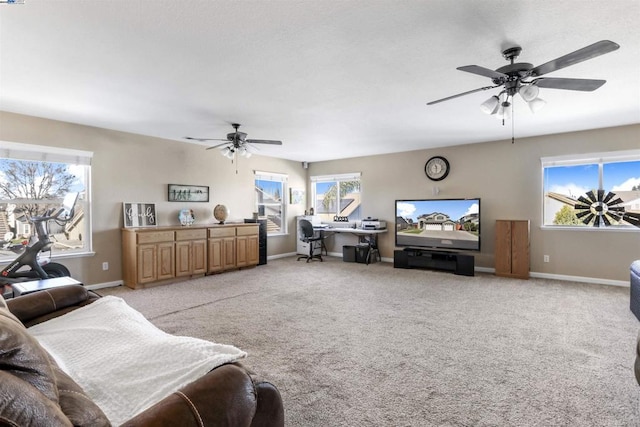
<point x="241" y="251"/>
<point x="253" y="250"/>
<point x="183" y="259"/>
<point x="166" y="261"/>
<point x="229" y="253"/>
<point x="216" y="249"/>
<point x="199" y="256"/>
<point x="147" y="263"/>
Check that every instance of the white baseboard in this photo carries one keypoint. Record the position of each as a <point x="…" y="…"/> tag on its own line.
<point x="281" y="255"/>
<point x="104" y="285"/>
<point x="581" y="279"/>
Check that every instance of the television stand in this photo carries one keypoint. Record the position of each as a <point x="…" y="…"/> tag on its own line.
<point x="438" y="260"/>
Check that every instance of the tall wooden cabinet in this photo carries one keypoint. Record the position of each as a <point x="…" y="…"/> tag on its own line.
<point x="512" y="248"/>
<point x="165" y="254"/>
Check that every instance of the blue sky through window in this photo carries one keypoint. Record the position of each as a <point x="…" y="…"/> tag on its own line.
<point x="272" y="188"/>
<point x="574" y="181"/>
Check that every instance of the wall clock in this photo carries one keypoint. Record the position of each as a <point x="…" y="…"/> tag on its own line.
<point x="437" y="168"/>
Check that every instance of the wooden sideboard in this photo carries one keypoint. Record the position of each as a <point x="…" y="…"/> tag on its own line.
<point x="166" y="254"/>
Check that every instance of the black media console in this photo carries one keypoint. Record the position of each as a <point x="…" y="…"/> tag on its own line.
<point x="424" y="258"/>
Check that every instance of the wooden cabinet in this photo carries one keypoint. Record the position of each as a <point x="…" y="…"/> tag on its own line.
<point x="247" y="246"/>
<point x="222" y="249"/>
<point x="233" y="247"/>
<point x="512" y="248"/>
<point x="149" y="257"/>
<point x="191" y="252"/>
<point x="152" y="255"/>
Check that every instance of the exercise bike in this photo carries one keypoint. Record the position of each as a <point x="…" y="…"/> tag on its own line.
<point x="37" y="266"/>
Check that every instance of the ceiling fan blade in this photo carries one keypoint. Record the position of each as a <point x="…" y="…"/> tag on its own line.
<point x="219" y="145"/>
<point x="263" y="141"/>
<point x="203" y="139"/>
<point x="588" y="52"/>
<point x="462" y="94"/>
<point x="482" y="71"/>
<point x="585" y="85"/>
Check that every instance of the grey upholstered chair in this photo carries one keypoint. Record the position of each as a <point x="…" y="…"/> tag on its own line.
<point x="308" y="235"/>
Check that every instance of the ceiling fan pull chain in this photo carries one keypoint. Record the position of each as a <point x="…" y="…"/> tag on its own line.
<point x="513" y="139"/>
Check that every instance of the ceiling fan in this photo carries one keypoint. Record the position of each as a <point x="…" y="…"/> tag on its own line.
<point x="524" y="79"/>
<point x="236" y="142"/>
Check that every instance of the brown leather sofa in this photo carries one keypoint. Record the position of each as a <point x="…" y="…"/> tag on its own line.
<point x="34" y="391"/>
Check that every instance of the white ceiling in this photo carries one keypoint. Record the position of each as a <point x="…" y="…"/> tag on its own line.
<point x="331" y="79"/>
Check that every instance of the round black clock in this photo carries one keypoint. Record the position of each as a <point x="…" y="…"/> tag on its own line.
<point x="437" y="168"/>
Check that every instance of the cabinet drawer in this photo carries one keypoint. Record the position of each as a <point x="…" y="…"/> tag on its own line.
<point x="191" y="234"/>
<point x="154" y="237"/>
<point x="248" y="231"/>
<point x="222" y="232"/>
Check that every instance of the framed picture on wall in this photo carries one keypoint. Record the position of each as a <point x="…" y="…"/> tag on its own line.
<point x="296" y="196"/>
<point x="188" y="193"/>
<point x="139" y="214"/>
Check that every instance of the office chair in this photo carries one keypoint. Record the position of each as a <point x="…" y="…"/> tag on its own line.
<point x="308" y="236"/>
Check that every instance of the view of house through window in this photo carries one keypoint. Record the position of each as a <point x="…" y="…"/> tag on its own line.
<point x="34" y="179"/>
<point x="607" y="183"/>
<point x="336" y="195"/>
<point x="271" y="189"/>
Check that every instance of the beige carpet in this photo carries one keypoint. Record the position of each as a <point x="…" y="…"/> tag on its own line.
<point x="355" y="345"/>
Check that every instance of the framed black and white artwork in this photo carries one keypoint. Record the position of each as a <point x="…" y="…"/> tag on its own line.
<point x="188" y="193"/>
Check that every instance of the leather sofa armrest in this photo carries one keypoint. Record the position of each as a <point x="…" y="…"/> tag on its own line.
<point x="226" y="396"/>
<point x="270" y="410"/>
<point x="40" y="306"/>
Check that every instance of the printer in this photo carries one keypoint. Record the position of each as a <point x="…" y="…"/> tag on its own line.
<point x="373" y="224"/>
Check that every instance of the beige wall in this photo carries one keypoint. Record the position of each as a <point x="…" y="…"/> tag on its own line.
<point x="506" y="176"/>
<point x="134" y="168"/>
<point x="508" y="179"/>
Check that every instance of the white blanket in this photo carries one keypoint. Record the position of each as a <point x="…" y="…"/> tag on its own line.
<point x="122" y="361"/>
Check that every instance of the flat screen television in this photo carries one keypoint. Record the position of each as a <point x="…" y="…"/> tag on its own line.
<point x="447" y="224"/>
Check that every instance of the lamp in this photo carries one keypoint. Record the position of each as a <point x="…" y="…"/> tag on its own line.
<point x="491" y="105"/>
<point x="530" y="94"/>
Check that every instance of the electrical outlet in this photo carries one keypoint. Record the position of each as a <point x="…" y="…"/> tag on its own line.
<point x="546" y="258"/>
<point x="105" y="265"/>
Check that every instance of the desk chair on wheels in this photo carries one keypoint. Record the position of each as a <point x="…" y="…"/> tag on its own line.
<point x="308" y="236"/>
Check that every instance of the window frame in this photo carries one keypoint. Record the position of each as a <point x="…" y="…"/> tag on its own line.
<point x="596" y="159"/>
<point x="15" y="151"/>
<point x="283" y="179"/>
<point x="338" y="178"/>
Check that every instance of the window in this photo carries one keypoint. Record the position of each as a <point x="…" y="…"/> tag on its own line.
<point x="595" y="190"/>
<point x="36" y="178"/>
<point x="336" y="195"/>
<point x="271" y="189"/>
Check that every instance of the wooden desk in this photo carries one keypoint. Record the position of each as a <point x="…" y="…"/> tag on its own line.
<point x="368" y="237"/>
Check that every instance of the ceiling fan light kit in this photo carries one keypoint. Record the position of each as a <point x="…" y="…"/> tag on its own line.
<point x="524" y="79"/>
<point x="236" y="142"/>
